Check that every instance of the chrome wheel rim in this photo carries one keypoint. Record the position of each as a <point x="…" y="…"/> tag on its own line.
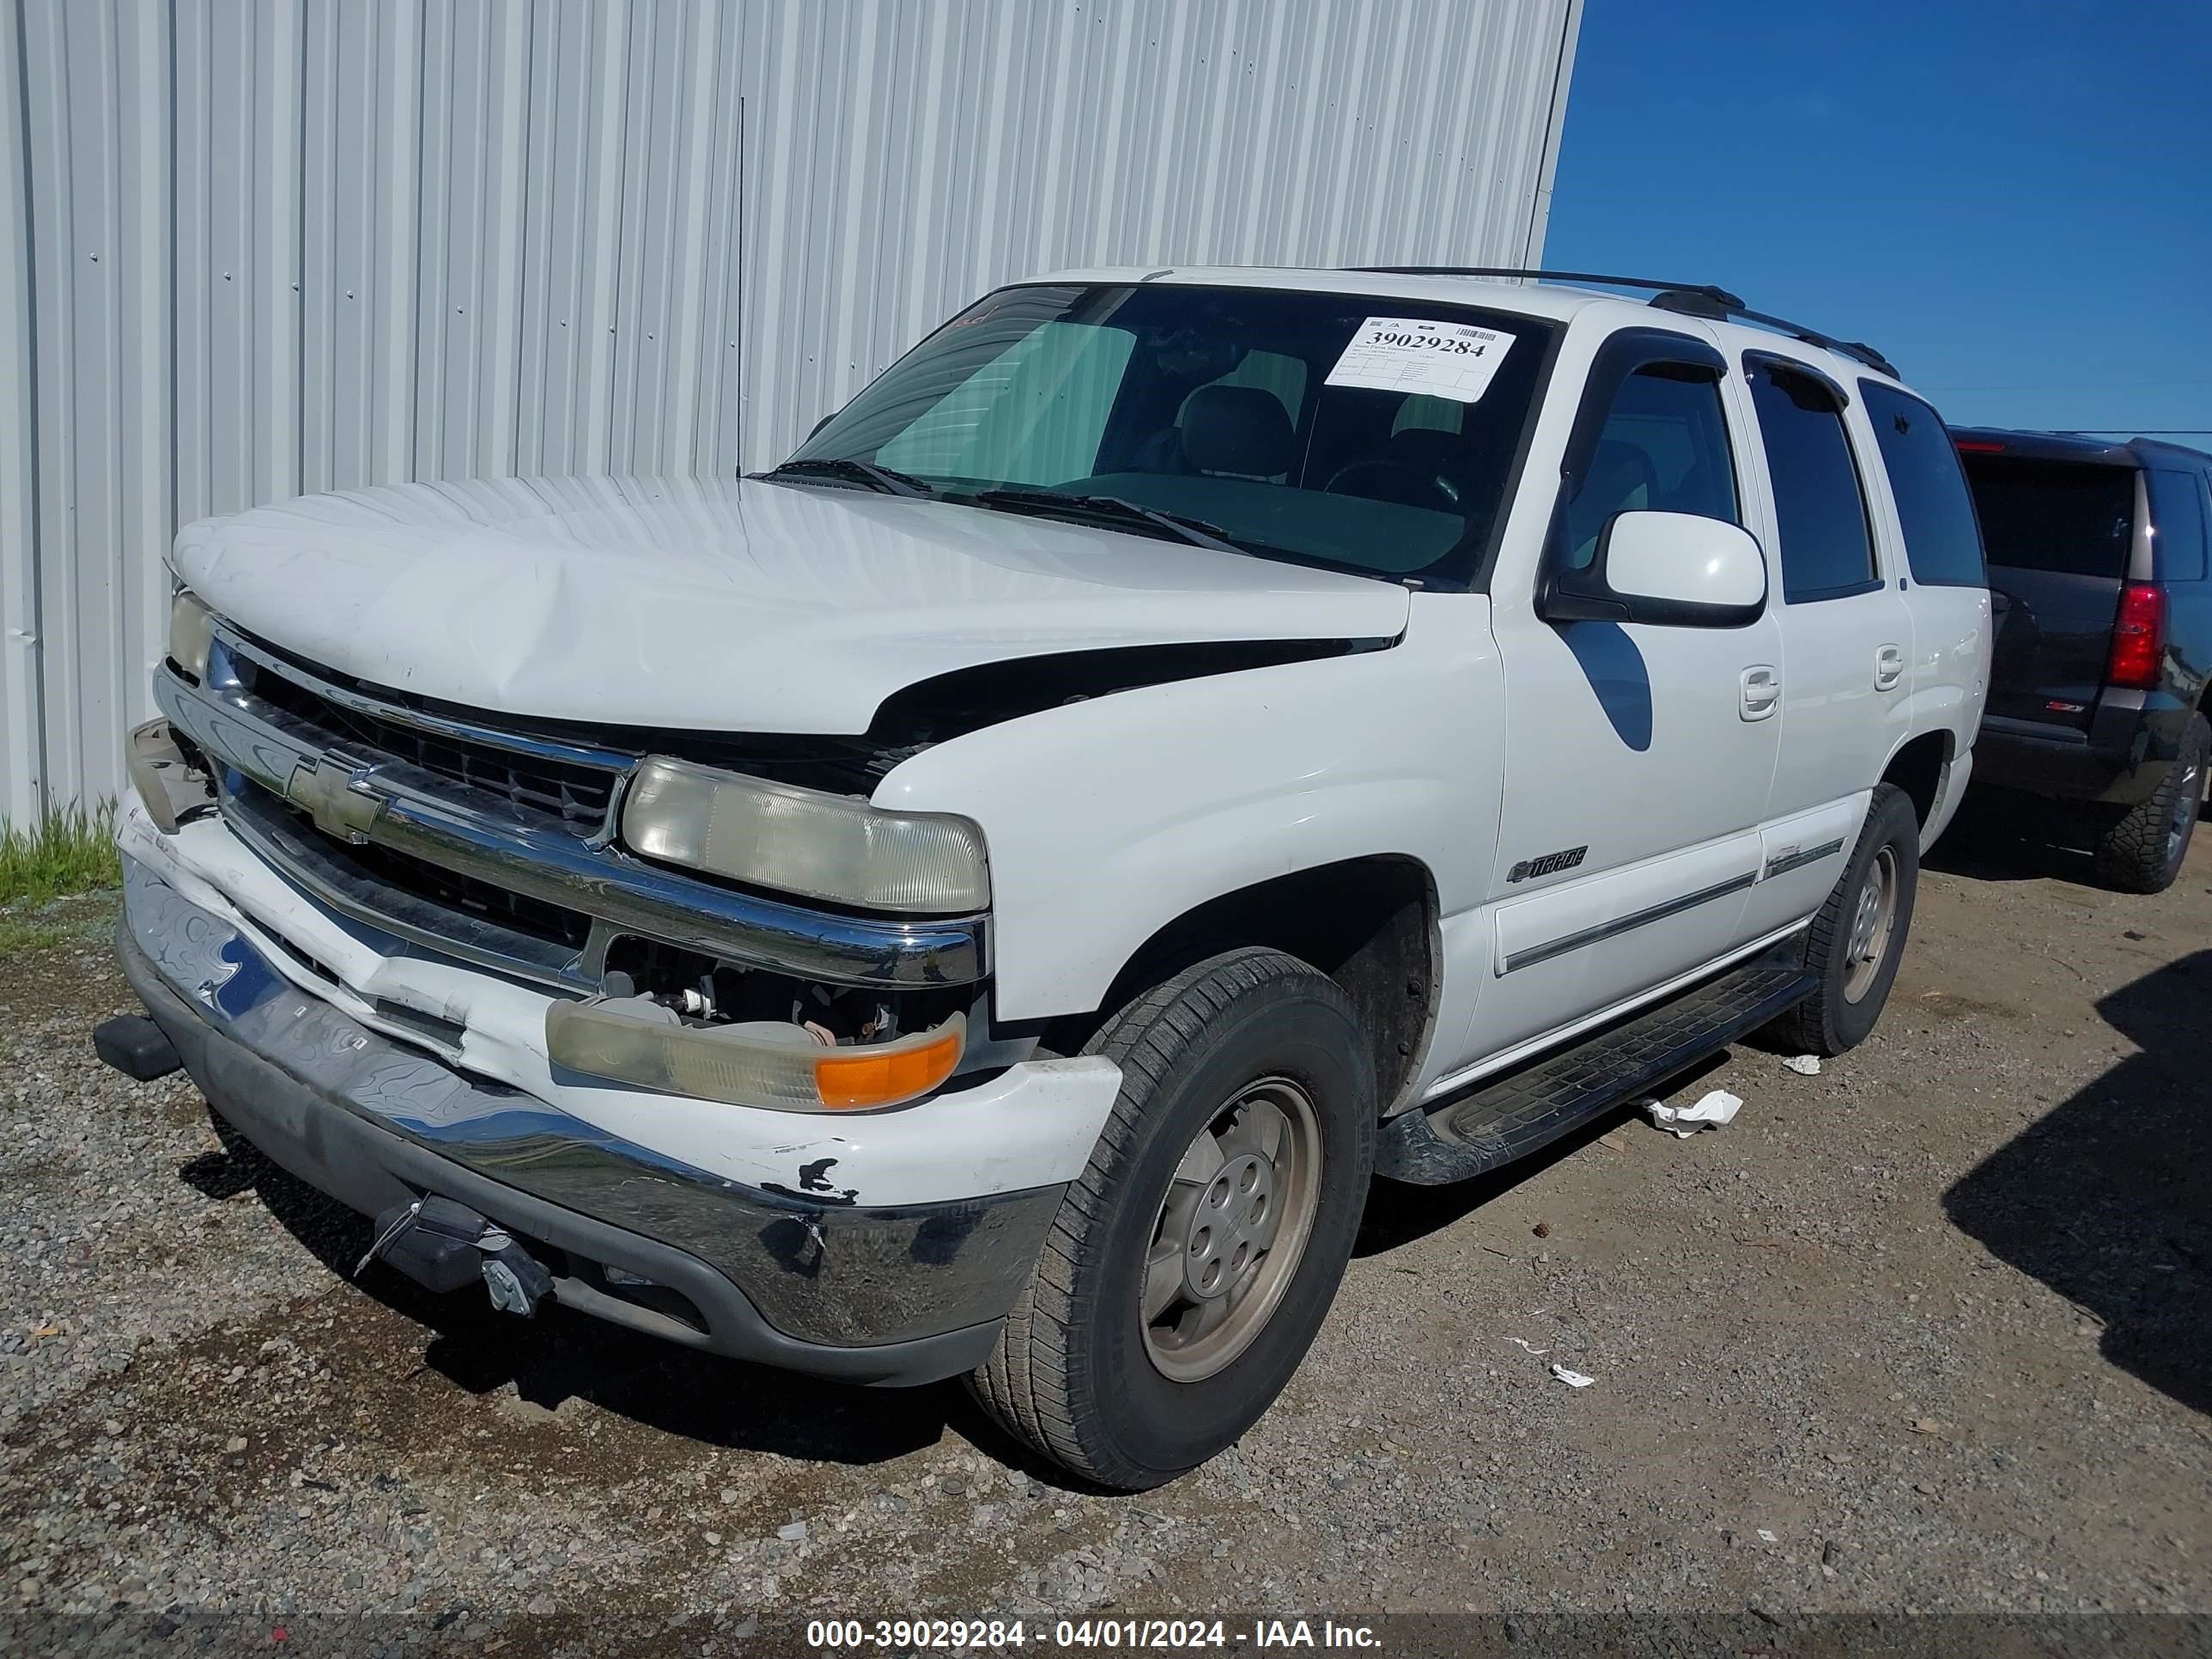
<point x="2188" y="801"/>
<point x="1873" y="918"/>
<point x="1227" y="1240"/>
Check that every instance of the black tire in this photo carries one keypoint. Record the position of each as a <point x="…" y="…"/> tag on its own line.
<point x="1072" y="1375"/>
<point x="1833" y="1020"/>
<point x="2141" y="852"/>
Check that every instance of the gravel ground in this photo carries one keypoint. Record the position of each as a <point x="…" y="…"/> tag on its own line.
<point x="1930" y="1331"/>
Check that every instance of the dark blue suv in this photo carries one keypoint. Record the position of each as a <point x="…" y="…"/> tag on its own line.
<point x="2097" y="683"/>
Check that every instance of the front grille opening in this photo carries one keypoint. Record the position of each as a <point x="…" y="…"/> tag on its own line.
<point x="304" y="961"/>
<point x="577" y="795"/>
<point x="553" y="923"/>
<point x="444" y="1035"/>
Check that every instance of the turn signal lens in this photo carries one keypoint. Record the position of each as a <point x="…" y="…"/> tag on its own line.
<point x="854" y="1079"/>
<point x="761" y="1063"/>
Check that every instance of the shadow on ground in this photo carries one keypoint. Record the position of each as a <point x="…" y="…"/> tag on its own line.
<point x="1398" y="1214"/>
<point x="2108" y="1198"/>
<point x="560" y="1355"/>
<point x="2001" y="837"/>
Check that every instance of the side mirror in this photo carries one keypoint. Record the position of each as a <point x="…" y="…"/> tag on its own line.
<point x="815" y="431"/>
<point x="1675" y="569"/>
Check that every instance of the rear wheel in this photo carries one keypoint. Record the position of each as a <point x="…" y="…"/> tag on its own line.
<point x="1854" y="943"/>
<point x="1191" y="1265"/>
<point x="2143" y="852"/>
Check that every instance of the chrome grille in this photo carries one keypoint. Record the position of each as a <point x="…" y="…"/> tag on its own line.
<point x="577" y="795"/>
<point x="458" y="862"/>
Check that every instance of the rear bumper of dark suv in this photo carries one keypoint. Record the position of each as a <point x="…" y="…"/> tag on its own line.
<point x="2121" y="759"/>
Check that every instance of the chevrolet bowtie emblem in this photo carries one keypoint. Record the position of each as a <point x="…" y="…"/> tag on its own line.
<point x="335" y="792"/>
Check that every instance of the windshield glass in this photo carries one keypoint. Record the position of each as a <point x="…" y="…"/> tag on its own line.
<point x="1354" y="431"/>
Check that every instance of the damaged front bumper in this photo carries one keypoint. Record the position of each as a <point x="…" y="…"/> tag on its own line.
<point x="314" y="1060"/>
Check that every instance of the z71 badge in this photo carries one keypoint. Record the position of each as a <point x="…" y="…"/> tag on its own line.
<point x="1550" y="864"/>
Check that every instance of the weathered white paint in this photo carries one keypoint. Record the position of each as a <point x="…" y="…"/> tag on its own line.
<point x="721" y="603"/>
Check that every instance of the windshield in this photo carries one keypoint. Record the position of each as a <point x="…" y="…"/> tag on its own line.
<point x="1353" y="431"/>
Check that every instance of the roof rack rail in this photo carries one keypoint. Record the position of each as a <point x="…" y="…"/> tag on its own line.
<point x="1718" y="296"/>
<point x="1704" y="300"/>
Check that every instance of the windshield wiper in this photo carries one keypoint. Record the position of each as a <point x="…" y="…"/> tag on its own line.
<point x="865" y="473"/>
<point x="1052" y="503"/>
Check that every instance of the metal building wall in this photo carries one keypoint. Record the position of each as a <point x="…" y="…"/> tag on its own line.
<point x="250" y="248"/>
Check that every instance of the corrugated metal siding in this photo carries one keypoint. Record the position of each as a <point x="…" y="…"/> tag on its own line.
<point x="250" y="248"/>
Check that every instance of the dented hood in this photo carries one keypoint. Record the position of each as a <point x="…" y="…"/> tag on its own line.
<point x="731" y="606"/>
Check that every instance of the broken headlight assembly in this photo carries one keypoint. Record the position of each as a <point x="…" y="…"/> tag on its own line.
<point x="804" y="842"/>
<point x="673" y="1020"/>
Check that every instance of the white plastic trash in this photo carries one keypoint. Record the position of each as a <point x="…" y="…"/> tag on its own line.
<point x="1804" y="1064"/>
<point x="1573" y="1379"/>
<point x="1715" y="1109"/>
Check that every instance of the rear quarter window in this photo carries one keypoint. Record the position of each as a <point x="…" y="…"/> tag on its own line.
<point x="2074" y="518"/>
<point x="2177" y="517"/>
<point x="1943" y="543"/>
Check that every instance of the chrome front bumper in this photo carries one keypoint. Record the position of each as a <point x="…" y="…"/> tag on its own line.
<point x="380" y="801"/>
<point x="902" y="1294"/>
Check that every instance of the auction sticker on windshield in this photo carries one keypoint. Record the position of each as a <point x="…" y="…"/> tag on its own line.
<point x="1412" y="355"/>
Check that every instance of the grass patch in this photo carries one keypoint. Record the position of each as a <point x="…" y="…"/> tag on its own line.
<point x="82" y="919"/>
<point x="72" y="850"/>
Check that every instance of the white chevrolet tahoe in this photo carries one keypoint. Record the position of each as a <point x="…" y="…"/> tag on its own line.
<point x="987" y="897"/>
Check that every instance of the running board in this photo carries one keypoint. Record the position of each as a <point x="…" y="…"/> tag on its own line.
<point x="1505" y="1117"/>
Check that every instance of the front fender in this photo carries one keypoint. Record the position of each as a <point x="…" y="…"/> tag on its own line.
<point x="1107" y="819"/>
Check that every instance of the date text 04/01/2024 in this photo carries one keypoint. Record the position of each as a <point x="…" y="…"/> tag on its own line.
<point x="1106" y="1634"/>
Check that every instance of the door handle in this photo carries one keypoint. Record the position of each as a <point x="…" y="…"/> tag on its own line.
<point x="1760" y="687"/>
<point x="1888" y="668"/>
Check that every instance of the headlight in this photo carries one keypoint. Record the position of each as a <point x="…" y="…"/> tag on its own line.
<point x="191" y="633"/>
<point x="757" y="1064"/>
<point x="804" y="841"/>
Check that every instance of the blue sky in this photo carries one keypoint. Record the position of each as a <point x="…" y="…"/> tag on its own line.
<point x="2012" y="201"/>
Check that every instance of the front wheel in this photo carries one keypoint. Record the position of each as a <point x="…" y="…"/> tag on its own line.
<point x="1191" y="1265"/>
<point x="1854" y="945"/>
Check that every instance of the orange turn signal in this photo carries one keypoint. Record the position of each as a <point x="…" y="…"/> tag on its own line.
<point x="855" y="1079"/>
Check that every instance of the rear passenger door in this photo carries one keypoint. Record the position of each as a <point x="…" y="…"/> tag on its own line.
<point x="1846" y="635"/>
<point x="1931" y="517"/>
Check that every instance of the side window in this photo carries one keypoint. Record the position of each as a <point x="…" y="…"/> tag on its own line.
<point x="2176" y="516"/>
<point x="1664" y="447"/>
<point x="1035" y="415"/>
<point x="1819" y="506"/>
<point x="1942" y="541"/>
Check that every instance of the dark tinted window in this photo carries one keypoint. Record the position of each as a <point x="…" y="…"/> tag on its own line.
<point x="1664" y="447"/>
<point x="2067" y="516"/>
<point x="2177" y="514"/>
<point x="1932" y="504"/>
<point x="1820" y="508"/>
<point x="1361" y="433"/>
